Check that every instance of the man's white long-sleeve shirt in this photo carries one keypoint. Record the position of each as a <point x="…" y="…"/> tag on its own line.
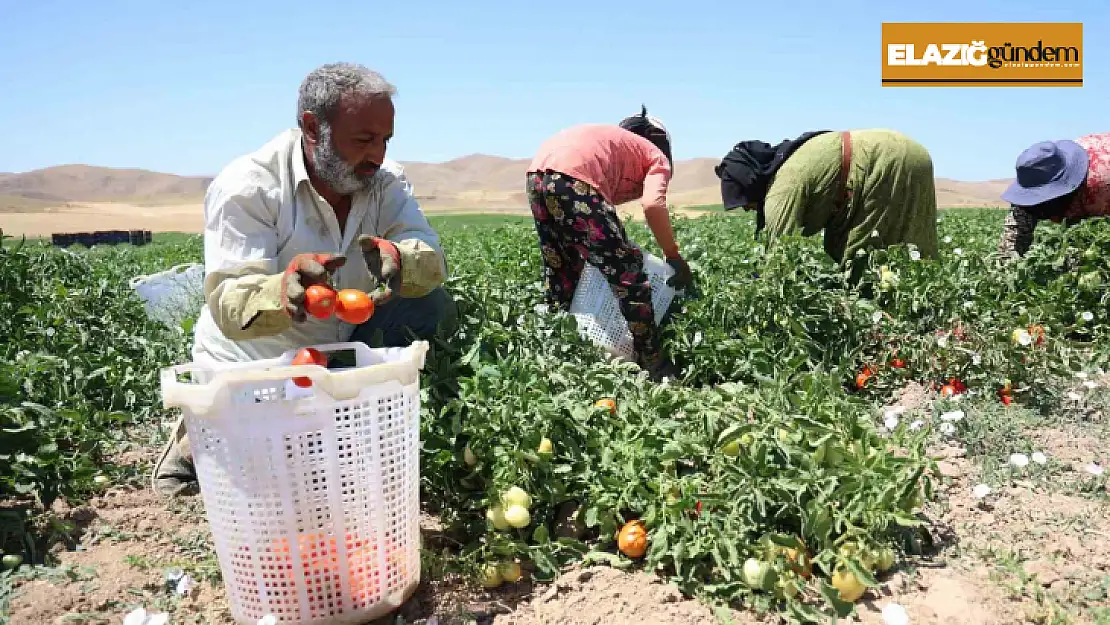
<point x="260" y="212"/>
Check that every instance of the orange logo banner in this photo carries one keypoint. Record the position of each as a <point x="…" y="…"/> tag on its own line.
<point x="989" y="54"/>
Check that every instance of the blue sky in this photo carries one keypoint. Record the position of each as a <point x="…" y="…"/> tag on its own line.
<point x="185" y="86"/>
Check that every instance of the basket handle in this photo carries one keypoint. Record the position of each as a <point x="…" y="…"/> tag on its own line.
<point x="339" y="384"/>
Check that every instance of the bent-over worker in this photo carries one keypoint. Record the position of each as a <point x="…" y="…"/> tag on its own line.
<point x="574" y="182"/>
<point x="865" y="189"/>
<point x="1056" y="180"/>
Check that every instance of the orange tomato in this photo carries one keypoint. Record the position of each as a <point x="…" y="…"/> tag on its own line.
<point x="308" y="356"/>
<point x="632" y="539"/>
<point x="863" y="377"/>
<point x="608" y="404"/>
<point x="319" y="300"/>
<point x="947" y="390"/>
<point x="354" y="306"/>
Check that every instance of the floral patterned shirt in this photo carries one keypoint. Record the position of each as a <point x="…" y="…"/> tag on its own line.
<point x="1093" y="199"/>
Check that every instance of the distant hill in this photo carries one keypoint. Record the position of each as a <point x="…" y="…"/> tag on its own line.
<point x="66" y="183"/>
<point x="474" y="181"/>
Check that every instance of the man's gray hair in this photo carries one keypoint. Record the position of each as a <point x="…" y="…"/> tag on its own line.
<point x="324" y="86"/>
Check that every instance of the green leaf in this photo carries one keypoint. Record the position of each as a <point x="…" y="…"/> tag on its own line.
<point x="591" y="516"/>
<point x="604" y="557"/>
<point x="832" y="596"/>
<point x="861" y="573"/>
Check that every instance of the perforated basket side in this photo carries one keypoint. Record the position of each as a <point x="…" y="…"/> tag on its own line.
<point x="313" y="500"/>
<point x="597" y="309"/>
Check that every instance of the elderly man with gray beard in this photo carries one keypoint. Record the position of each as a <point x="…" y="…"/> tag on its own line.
<point x="316" y="202"/>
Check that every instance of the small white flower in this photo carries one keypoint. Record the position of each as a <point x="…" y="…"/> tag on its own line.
<point x="917" y="425"/>
<point x="915" y="255"/>
<point x="947" y="428"/>
<point x="140" y="616"/>
<point x="1074" y="396"/>
<point x="1024" y="338"/>
<point x="697" y="338"/>
<point x="955" y="415"/>
<point x="958" y="251"/>
<point x="891" y="422"/>
<point x="976" y="358"/>
<point x="1091" y="384"/>
<point x="1082" y="375"/>
<point x="1087" y="315"/>
<point x="1019" y="460"/>
<point x="968" y="305"/>
<point x="981" y="490"/>
<point x="1093" y="469"/>
<point x="1039" y="458"/>
<point x="942" y="341"/>
<point x="876" y="316"/>
<point x="541" y="309"/>
<point x="948" y="239"/>
<point x="874" y="234"/>
<point x="184" y="585"/>
<point x="894" y="614"/>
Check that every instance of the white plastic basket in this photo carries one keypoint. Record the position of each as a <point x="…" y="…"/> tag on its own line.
<point x="173" y="295"/>
<point x="312" y="493"/>
<point x="598" y="313"/>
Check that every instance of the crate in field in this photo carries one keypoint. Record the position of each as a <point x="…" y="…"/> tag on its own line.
<point x="62" y="240"/>
<point x="312" y="493"/>
<point x="597" y="309"/>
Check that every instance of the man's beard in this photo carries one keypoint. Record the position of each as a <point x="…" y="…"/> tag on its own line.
<point x="333" y="170"/>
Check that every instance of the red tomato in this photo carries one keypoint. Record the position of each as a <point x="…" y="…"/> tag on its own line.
<point x="319" y="301"/>
<point x="308" y="356"/>
<point x="898" y="363"/>
<point x="354" y="306"/>
<point x="863" y="376"/>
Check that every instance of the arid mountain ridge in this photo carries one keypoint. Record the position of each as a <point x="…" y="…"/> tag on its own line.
<point x="475" y="181"/>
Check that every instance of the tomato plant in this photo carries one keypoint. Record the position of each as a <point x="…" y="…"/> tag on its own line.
<point x="761" y="477"/>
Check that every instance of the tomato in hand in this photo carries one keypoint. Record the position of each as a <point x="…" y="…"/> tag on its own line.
<point x="319" y="301"/>
<point x="354" y="306"/>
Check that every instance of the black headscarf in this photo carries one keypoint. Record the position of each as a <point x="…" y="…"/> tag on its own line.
<point x="650" y="128"/>
<point x="747" y="171"/>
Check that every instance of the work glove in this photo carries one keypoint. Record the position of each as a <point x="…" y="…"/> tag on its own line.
<point x="682" y="277"/>
<point x="383" y="259"/>
<point x="302" y="272"/>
